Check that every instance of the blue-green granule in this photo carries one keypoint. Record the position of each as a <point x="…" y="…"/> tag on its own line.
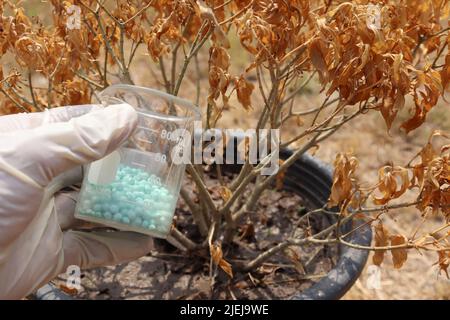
<point x="135" y="198"/>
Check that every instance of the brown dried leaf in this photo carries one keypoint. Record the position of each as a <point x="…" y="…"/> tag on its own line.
<point x="317" y="59"/>
<point x="343" y="179"/>
<point x="399" y="256"/>
<point x="381" y="240"/>
<point x="389" y="177"/>
<point x="219" y="57"/>
<point x="445" y="72"/>
<point x="244" y="91"/>
<point x="444" y="261"/>
<point x="217" y="256"/>
<point x="296" y="261"/>
<point x="206" y="13"/>
<point x="225" y="193"/>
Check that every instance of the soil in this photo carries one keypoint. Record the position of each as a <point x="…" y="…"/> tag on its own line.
<point x="169" y="273"/>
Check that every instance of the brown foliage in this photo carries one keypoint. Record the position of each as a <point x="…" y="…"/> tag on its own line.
<point x="217" y="257"/>
<point x="343" y="179"/>
<point x="370" y="55"/>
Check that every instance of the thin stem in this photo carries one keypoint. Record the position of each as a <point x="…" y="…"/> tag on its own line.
<point x="260" y="84"/>
<point x="196" y="213"/>
<point x="192" y="52"/>
<point x="173" y="70"/>
<point x="18" y="105"/>
<point x="105" y="68"/>
<point x="237" y="14"/>
<point x="92" y="82"/>
<point x="300" y="89"/>
<point x="49" y="93"/>
<point x="133" y="52"/>
<point x="139" y="12"/>
<point x="197" y="80"/>
<point x="246" y="169"/>
<point x="241" y="187"/>
<point x="203" y="191"/>
<point x="30" y="82"/>
<point x="164" y="74"/>
<point x="181" y="238"/>
<point x="320" y="110"/>
<point x="124" y="70"/>
<point x="220" y="6"/>
<point x="107" y="42"/>
<point x="438" y="55"/>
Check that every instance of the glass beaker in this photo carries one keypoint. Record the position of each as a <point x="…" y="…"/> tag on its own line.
<point x="136" y="187"/>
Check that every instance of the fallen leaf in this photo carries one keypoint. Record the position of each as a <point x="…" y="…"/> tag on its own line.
<point x="225" y="193"/>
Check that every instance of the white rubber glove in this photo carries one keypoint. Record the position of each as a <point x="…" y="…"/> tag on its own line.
<point x="36" y="153"/>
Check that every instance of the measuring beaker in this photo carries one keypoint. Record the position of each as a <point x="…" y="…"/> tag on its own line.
<point x="136" y="187"/>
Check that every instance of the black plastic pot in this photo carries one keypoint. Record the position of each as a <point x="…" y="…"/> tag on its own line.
<point x="311" y="179"/>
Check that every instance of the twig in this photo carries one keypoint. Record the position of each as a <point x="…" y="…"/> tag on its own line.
<point x="164" y="74"/>
<point x="220" y="6"/>
<point x="203" y="192"/>
<point x="237" y="14"/>
<point x="300" y="89"/>
<point x="133" y="52"/>
<point x="314" y="239"/>
<point x="18" y="105"/>
<point x="300" y="278"/>
<point x="246" y="169"/>
<point x="438" y="55"/>
<point x="139" y="12"/>
<point x="22" y="98"/>
<point x="425" y="39"/>
<point x="260" y="84"/>
<point x="248" y="206"/>
<point x="105" y="38"/>
<point x="241" y="187"/>
<point x="185" y="241"/>
<point x="192" y="52"/>
<point x="125" y="73"/>
<point x="197" y="80"/>
<point x="92" y="82"/>
<point x="320" y="109"/>
<point x="195" y="210"/>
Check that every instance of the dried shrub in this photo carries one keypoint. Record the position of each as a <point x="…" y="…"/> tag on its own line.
<point x="368" y="55"/>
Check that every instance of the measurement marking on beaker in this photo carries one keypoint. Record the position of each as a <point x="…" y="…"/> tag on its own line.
<point x="159" y="157"/>
<point x="138" y="164"/>
<point x="147" y="129"/>
<point x="145" y="140"/>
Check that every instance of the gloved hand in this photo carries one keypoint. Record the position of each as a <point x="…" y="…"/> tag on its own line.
<point x="39" y="154"/>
